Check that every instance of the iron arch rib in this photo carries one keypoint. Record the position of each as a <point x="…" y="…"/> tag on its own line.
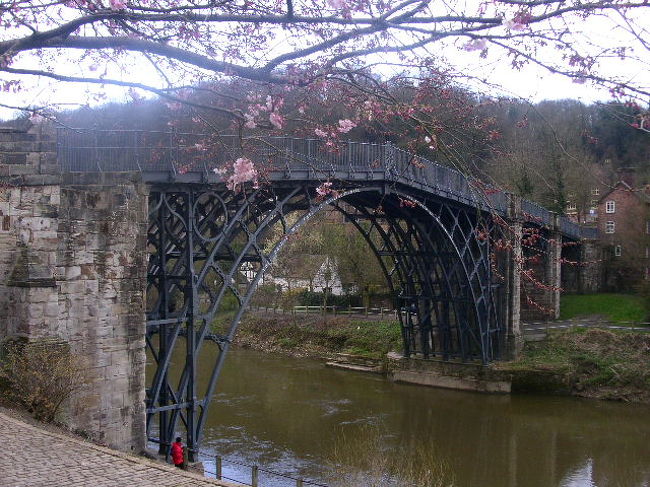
<point x="201" y="237"/>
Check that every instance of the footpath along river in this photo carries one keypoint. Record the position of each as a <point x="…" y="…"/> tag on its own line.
<point x="297" y="417"/>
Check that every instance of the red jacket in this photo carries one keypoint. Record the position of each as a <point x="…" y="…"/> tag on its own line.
<point x="177" y="453"/>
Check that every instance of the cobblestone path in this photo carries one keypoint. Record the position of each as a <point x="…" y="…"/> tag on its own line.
<point x="34" y="457"/>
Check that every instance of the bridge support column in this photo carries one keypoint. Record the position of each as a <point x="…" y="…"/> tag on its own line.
<point x="554" y="271"/>
<point x="543" y="273"/>
<point x="590" y="268"/>
<point x="514" y="340"/>
<point x="73" y="267"/>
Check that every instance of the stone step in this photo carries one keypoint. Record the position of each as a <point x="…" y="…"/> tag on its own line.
<point x="377" y="369"/>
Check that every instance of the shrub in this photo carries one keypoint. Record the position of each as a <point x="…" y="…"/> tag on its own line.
<point x="41" y="375"/>
<point x="310" y="298"/>
<point x="364" y="458"/>
<point x="290" y="298"/>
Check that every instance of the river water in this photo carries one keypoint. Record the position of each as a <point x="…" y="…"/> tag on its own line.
<point x="299" y="418"/>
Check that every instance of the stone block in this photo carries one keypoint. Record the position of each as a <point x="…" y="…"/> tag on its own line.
<point x="51" y="310"/>
<point x="73" y="272"/>
<point x="88" y="271"/>
<point x="19" y="158"/>
<point x="91" y="286"/>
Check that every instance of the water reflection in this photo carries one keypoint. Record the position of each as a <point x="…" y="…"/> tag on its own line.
<point x="289" y="415"/>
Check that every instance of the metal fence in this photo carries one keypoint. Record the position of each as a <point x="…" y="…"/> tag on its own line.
<point x="254" y="475"/>
<point x="174" y="153"/>
<point x="82" y="150"/>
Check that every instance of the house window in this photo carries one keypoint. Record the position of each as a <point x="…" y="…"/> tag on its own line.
<point x="595" y="191"/>
<point x="610" y="227"/>
<point x="594" y="203"/>
<point x="571" y="207"/>
<point x="610" y="207"/>
<point x="618" y="250"/>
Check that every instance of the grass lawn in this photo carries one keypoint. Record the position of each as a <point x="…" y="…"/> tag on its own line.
<point x="615" y="307"/>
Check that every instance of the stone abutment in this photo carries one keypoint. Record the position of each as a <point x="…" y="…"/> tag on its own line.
<point x="73" y="261"/>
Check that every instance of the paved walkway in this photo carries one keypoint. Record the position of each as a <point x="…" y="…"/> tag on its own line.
<point x="537" y="330"/>
<point x="34" y="457"/>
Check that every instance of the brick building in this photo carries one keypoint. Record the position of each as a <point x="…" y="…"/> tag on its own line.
<point x="624" y="230"/>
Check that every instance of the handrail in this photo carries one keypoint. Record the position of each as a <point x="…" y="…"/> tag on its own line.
<point x="178" y="153"/>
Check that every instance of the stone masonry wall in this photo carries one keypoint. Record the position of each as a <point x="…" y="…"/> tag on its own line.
<point x="73" y="267"/>
<point x="102" y="254"/>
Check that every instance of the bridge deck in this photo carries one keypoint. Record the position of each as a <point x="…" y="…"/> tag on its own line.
<point x="165" y="157"/>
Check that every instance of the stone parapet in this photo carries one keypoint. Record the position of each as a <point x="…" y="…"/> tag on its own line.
<point x="28" y="154"/>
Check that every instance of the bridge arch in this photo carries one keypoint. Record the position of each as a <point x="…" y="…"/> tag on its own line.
<point x="200" y="237"/>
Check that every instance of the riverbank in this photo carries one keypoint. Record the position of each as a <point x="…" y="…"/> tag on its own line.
<point x="317" y="336"/>
<point x="592" y="363"/>
<point x="585" y="362"/>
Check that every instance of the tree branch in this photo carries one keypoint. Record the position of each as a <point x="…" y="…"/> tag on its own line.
<point x="164" y="93"/>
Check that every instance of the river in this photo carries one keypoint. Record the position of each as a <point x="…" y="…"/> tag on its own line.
<point x="302" y="419"/>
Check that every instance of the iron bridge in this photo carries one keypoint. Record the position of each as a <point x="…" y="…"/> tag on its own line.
<point x="424" y="222"/>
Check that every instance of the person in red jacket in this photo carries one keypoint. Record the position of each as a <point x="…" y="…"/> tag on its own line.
<point x="177" y="452"/>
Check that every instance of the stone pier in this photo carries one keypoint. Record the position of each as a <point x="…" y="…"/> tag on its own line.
<point x="73" y="267"/>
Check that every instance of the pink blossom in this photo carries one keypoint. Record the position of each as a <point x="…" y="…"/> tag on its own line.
<point x="243" y="171"/>
<point x="118" y="4"/>
<point x="276" y="120"/>
<point x="403" y="202"/>
<point x="346" y="125"/>
<point x="512" y="25"/>
<point x="320" y="133"/>
<point x="250" y="121"/>
<point x="324" y="189"/>
<point x="174" y="105"/>
<point x="520" y="21"/>
<point x="337" y="3"/>
<point x="475" y="45"/>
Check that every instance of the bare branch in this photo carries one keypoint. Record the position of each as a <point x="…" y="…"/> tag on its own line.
<point x="164" y="93"/>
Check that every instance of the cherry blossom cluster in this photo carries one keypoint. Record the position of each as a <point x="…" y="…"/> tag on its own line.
<point x="242" y="171"/>
<point x="268" y="112"/>
<point x="331" y="134"/>
<point x="535" y="304"/>
<point x="407" y="203"/>
<point x="324" y="189"/>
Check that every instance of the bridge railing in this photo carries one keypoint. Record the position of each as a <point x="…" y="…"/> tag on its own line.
<point x="84" y="150"/>
<point x="536" y="213"/>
